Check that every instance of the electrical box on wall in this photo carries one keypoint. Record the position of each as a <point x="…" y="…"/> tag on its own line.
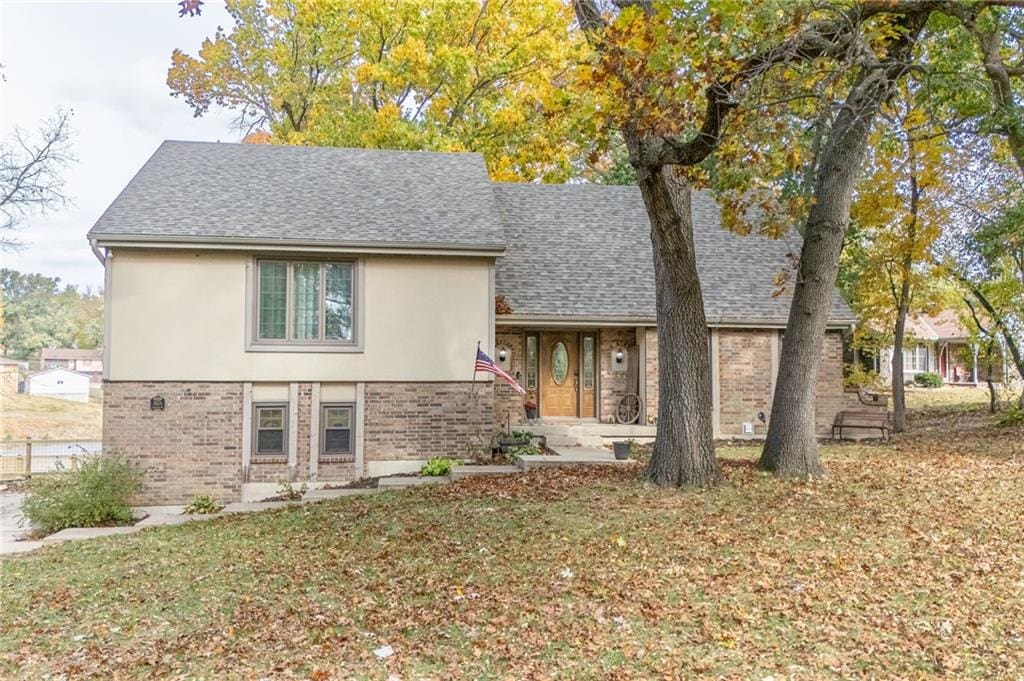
<point x="748" y="428"/>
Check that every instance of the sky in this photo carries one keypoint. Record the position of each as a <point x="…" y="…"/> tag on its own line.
<point x="107" y="61"/>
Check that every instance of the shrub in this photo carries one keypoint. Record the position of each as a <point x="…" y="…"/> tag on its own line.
<point x="204" y="504"/>
<point x="1013" y="416"/>
<point x="859" y="377"/>
<point x="437" y="467"/>
<point x="928" y="380"/>
<point x="96" y="494"/>
<point x="286" y="492"/>
<point x="513" y="453"/>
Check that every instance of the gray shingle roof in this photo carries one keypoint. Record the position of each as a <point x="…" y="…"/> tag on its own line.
<point x="585" y="251"/>
<point x="310" y="195"/>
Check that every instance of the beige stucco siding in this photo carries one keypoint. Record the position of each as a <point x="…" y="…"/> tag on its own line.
<point x="181" y="316"/>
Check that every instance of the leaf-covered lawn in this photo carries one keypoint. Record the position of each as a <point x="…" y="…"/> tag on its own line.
<point x="908" y="561"/>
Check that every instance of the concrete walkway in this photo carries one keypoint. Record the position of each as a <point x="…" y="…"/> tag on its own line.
<point x="13" y="524"/>
<point x="571" y="456"/>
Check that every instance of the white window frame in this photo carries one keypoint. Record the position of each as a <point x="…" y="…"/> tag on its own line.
<point x="915" y="354"/>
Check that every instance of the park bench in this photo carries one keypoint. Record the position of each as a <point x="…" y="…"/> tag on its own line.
<point x="864" y="419"/>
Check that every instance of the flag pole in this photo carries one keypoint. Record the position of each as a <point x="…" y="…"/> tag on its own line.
<point x="473" y="389"/>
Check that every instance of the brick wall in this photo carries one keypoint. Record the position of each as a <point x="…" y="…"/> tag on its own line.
<point x="613" y="383"/>
<point x="407" y="421"/>
<point x="193" y="446"/>
<point x="508" y="404"/>
<point x="745" y="379"/>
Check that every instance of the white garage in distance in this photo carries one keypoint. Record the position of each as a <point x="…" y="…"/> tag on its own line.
<point x="60" y="383"/>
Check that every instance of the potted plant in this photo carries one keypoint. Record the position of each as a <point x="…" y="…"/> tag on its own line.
<point x="622" y="449"/>
<point x="530" y="405"/>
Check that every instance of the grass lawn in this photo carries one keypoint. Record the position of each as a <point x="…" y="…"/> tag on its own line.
<point x="907" y="561"/>
<point x="47" y="418"/>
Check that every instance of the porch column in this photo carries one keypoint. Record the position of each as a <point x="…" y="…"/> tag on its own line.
<point x="716" y="396"/>
<point x="641" y="344"/>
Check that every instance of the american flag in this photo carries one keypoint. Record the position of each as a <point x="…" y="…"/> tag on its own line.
<point x="486" y="364"/>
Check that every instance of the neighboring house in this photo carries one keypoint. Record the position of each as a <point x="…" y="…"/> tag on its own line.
<point x="313" y="314"/>
<point x="937" y="344"/>
<point x="89" y="362"/>
<point x="60" y="383"/>
<point x="10" y="370"/>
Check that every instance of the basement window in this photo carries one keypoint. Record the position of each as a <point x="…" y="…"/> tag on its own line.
<point x="270" y="425"/>
<point x="336" y="436"/>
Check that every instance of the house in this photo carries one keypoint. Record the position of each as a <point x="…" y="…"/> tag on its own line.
<point x="937" y="344"/>
<point x="296" y="313"/>
<point x="84" y="361"/>
<point x="59" y="383"/>
<point x="10" y="371"/>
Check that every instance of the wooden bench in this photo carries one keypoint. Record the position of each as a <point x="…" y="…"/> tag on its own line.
<point x="862" y="418"/>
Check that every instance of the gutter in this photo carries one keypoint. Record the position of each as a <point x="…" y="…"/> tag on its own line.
<point x="611" y="320"/>
<point x="283" y="245"/>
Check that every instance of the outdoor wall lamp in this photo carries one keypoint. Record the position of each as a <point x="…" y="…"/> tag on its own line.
<point x="502" y="355"/>
<point x="619" y="356"/>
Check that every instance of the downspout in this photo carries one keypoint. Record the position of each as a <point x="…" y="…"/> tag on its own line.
<point x="100" y="255"/>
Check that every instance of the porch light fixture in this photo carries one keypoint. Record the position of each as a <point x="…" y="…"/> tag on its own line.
<point x="619" y="356"/>
<point x="502" y="355"/>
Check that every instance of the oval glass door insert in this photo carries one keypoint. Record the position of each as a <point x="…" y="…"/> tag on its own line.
<point x="559" y="363"/>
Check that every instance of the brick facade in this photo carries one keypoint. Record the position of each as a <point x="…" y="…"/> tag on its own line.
<point x="745" y="368"/>
<point x="613" y="381"/>
<point x="508" y="404"/>
<point x="193" y="446"/>
<point x="409" y="421"/>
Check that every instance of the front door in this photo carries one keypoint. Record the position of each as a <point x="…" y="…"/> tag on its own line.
<point x="559" y="369"/>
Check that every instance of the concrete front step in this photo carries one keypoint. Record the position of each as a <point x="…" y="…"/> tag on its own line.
<point x="570" y="456"/>
<point x="467" y="471"/>
<point x="589" y="434"/>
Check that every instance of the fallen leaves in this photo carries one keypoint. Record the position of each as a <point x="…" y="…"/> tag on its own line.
<point x="908" y="558"/>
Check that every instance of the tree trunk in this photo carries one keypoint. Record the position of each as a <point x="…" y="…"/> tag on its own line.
<point x="1011" y="342"/>
<point x="684" y="452"/>
<point x="899" y="395"/>
<point x="791" y="448"/>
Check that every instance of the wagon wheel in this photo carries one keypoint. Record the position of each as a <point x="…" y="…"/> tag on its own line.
<point x="628" y="410"/>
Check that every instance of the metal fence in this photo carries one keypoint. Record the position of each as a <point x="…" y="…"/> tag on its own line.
<point x="25" y="457"/>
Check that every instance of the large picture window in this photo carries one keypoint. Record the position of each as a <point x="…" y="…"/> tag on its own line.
<point x="337" y="428"/>
<point x="305" y="302"/>
<point x="916" y="358"/>
<point x="270" y="426"/>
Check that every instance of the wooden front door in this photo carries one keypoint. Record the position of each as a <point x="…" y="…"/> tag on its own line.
<point x="559" y="369"/>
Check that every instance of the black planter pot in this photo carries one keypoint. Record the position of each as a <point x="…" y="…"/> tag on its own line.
<point x="531" y="414"/>
<point x="621" y="450"/>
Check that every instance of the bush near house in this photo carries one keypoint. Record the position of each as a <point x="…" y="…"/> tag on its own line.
<point x="928" y="380"/>
<point x="96" y="494"/>
<point x="437" y="467"/>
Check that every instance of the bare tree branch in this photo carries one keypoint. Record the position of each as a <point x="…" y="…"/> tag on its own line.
<point x="31" y="179"/>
